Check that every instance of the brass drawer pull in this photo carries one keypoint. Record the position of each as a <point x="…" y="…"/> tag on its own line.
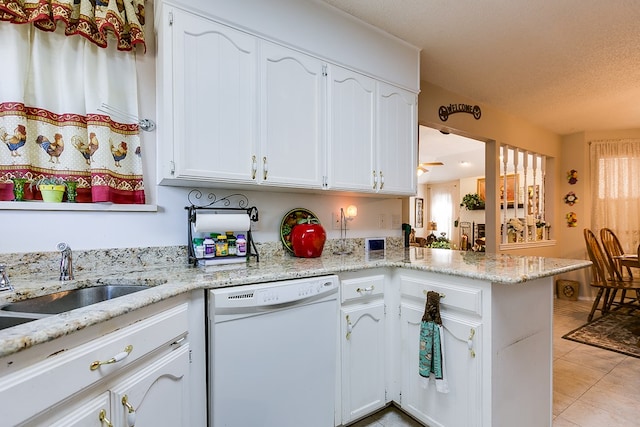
<point x="368" y="290"/>
<point x="131" y="412"/>
<point x="103" y="418"/>
<point x="118" y="357"/>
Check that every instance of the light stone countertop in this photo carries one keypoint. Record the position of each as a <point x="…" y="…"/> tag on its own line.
<point x="170" y="278"/>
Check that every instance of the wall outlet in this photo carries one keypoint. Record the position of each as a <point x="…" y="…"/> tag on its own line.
<point x="395" y="221"/>
<point x="335" y="220"/>
<point x="382" y="221"/>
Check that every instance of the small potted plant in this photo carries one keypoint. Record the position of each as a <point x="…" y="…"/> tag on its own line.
<point x="472" y="201"/>
<point x="52" y="188"/>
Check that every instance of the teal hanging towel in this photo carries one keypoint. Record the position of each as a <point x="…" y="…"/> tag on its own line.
<point x="432" y="356"/>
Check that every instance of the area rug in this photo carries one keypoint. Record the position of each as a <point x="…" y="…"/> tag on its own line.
<point x="617" y="331"/>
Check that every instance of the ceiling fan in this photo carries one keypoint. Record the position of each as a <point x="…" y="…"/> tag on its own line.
<point x="422" y="167"/>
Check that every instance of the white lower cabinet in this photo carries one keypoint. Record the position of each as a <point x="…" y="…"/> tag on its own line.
<point x="140" y="396"/>
<point x="137" y="373"/>
<point x="461" y="312"/>
<point x="80" y="413"/>
<point x="497" y="349"/>
<point x="144" y="396"/>
<point x="461" y="406"/>
<point x="362" y="340"/>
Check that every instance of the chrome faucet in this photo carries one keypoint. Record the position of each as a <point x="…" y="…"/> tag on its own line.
<point x="66" y="263"/>
<point x="4" y="279"/>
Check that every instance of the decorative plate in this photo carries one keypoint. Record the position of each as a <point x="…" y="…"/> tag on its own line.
<point x="290" y="219"/>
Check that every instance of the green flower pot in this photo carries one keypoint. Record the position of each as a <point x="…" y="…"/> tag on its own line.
<point x="52" y="193"/>
<point x="18" y="188"/>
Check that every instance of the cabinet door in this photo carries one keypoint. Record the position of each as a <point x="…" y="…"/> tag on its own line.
<point x="214" y="91"/>
<point x="156" y="394"/>
<point x="462" y="405"/>
<point x="363" y="359"/>
<point x="397" y="142"/>
<point x="292" y="118"/>
<point x="351" y="130"/>
<point x="77" y="412"/>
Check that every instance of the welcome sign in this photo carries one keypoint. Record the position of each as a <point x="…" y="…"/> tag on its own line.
<point x="446" y="110"/>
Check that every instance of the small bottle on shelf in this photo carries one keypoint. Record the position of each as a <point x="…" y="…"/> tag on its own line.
<point x="209" y="247"/>
<point x="222" y="247"/>
<point x="198" y="247"/>
<point x="241" y="245"/>
<point x="231" y="241"/>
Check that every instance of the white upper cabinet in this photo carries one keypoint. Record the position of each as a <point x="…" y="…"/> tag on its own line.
<point x="213" y="109"/>
<point x="237" y="109"/>
<point x="396" y="140"/>
<point x="292" y="119"/>
<point x="372" y="135"/>
<point x="351" y="131"/>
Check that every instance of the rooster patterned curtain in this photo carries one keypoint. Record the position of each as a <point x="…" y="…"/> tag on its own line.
<point x="92" y="19"/>
<point x="51" y="90"/>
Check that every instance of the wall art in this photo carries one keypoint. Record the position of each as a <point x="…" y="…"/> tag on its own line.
<point x="570" y="198"/>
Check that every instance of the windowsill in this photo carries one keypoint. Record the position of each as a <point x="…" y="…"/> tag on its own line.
<point x="94" y="207"/>
<point x="527" y="245"/>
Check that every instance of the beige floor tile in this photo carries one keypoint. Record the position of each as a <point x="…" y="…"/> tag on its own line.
<point x="395" y="418"/>
<point x="622" y="382"/>
<point x="573" y="379"/>
<point x="586" y="415"/>
<point x="626" y="406"/>
<point x="563" y="422"/>
<point x="561" y="347"/>
<point x="594" y="357"/>
<point x="629" y="366"/>
<point x="561" y="402"/>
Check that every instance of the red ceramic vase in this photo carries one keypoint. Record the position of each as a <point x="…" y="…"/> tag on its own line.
<point x="307" y="240"/>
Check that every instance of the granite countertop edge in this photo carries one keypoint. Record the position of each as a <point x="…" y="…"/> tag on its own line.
<point x="168" y="281"/>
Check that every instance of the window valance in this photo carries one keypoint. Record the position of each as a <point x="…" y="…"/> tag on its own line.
<point x="92" y="19"/>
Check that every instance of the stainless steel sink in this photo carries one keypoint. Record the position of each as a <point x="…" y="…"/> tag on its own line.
<point x="62" y="301"/>
<point x="7" y="322"/>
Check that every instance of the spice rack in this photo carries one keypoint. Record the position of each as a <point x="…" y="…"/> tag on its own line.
<point x="234" y="204"/>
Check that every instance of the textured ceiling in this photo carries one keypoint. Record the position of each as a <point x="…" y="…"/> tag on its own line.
<point x="564" y="65"/>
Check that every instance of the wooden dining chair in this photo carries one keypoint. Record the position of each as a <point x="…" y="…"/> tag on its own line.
<point x="612" y="249"/>
<point x="603" y="277"/>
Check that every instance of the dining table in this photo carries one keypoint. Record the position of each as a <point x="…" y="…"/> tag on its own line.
<point x="629" y="259"/>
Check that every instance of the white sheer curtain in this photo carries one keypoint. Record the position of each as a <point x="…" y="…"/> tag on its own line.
<point x="615" y="184"/>
<point x="441" y="208"/>
<point x="51" y="89"/>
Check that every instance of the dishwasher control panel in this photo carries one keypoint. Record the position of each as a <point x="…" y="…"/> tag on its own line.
<point x="275" y="293"/>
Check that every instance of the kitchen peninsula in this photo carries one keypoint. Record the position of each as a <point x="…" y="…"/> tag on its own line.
<point x="497" y="310"/>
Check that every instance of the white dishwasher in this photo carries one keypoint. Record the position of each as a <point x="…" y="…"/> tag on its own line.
<point x="272" y="354"/>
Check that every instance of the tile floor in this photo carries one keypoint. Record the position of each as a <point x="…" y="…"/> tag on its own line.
<point x="591" y="387"/>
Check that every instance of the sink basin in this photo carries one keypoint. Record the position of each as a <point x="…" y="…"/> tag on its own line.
<point x="62" y="301"/>
<point x="7" y="322"/>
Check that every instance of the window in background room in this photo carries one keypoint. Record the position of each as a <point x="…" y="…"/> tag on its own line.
<point x="441" y="208"/>
<point x="615" y="167"/>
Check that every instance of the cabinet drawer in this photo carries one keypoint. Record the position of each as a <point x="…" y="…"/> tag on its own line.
<point x="458" y="297"/>
<point x="361" y="288"/>
<point x="61" y="375"/>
